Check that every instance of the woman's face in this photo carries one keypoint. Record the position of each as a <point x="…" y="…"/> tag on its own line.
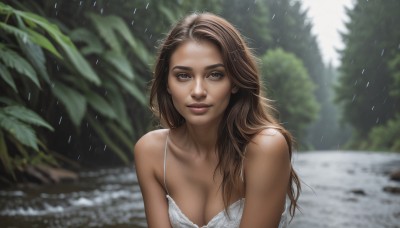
<point x="198" y="83"/>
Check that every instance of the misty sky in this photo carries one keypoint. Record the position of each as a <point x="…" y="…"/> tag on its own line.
<point x="328" y="17"/>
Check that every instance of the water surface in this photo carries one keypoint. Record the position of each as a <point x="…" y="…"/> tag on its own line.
<point x="340" y="189"/>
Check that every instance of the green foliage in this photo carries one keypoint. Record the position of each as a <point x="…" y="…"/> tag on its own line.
<point x="33" y="87"/>
<point x="289" y="84"/>
<point x="364" y="88"/>
<point x="385" y="137"/>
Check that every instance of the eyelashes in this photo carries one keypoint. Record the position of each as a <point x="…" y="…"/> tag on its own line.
<point x="213" y="75"/>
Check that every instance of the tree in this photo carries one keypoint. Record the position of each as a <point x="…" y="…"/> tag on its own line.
<point x="365" y="81"/>
<point x="289" y="84"/>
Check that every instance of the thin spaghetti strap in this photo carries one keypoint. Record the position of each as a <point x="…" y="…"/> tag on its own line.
<point x="165" y="162"/>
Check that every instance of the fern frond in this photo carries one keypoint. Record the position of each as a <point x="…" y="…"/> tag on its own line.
<point x="23" y="114"/>
<point x="13" y="60"/>
<point x="21" y="131"/>
<point x="6" y="76"/>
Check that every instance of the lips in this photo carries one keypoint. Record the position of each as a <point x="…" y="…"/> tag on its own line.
<point x="198" y="108"/>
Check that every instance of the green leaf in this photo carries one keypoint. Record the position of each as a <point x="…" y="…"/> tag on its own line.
<point x="22" y="132"/>
<point x="6" y="76"/>
<point x="93" y="44"/>
<point x="43" y="42"/>
<point x="7" y="101"/>
<point x="118" y="105"/>
<point x="80" y="64"/>
<point x="4" y="156"/>
<point x="101" y="105"/>
<point x="121" y="135"/>
<point x="36" y="57"/>
<point x="105" y="29"/>
<point x="101" y="132"/>
<point x="23" y="114"/>
<point x="131" y="88"/>
<point x="120" y="62"/>
<point x="14" y="31"/>
<point x="74" y="102"/>
<point x="15" y="61"/>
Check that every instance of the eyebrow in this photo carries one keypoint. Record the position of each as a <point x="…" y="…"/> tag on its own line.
<point x="207" y="67"/>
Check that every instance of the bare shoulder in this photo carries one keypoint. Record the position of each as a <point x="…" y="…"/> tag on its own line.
<point x="270" y="143"/>
<point x="151" y="145"/>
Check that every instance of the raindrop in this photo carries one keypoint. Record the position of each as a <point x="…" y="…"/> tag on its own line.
<point x="95" y="117"/>
<point x="151" y="35"/>
<point x="90" y="148"/>
<point x="105" y="93"/>
<point x="79" y="156"/>
<point x="354" y="97"/>
<point x="322" y="137"/>
<point x="87" y="124"/>
<point x="377" y="120"/>
<point x="59" y="122"/>
<point x="147" y="6"/>
<point x="101" y="11"/>
<point x="382" y="52"/>
<point x="57" y="102"/>
<point x="25" y="39"/>
<point x="97" y="61"/>
<point x="273" y="16"/>
<point x="52" y="85"/>
<point x="134" y="11"/>
<point x="69" y="139"/>
<point x="29" y="96"/>
<point x="373" y="107"/>
<point x="94" y="4"/>
<point x="133" y="21"/>
<point x="58" y="68"/>
<point x="367" y="85"/>
<point x="363" y="70"/>
<point x="355" y="83"/>
<point x="55" y="6"/>
<point x="80" y="3"/>
<point x="105" y="147"/>
<point x="145" y="30"/>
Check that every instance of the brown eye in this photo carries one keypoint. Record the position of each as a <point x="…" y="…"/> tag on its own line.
<point x="215" y="75"/>
<point x="183" y="76"/>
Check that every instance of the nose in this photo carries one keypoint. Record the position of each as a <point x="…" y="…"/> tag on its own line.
<point x="199" y="90"/>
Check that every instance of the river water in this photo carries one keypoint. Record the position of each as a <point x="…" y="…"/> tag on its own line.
<point x="340" y="189"/>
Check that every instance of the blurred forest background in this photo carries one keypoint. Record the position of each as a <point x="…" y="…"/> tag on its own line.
<point x="74" y="76"/>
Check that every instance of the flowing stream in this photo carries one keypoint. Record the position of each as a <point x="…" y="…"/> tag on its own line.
<point x="340" y="189"/>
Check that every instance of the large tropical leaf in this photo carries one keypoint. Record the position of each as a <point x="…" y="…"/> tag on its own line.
<point x="13" y="60"/>
<point x="36" y="56"/>
<point x="131" y="88"/>
<point x="6" y="76"/>
<point x="100" y="105"/>
<point x="120" y="62"/>
<point x="80" y="64"/>
<point x="93" y="44"/>
<point x="105" y="29"/>
<point x="74" y="102"/>
<point x="23" y="114"/>
<point x="21" y="131"/>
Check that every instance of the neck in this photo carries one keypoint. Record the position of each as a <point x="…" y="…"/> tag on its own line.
<point x="202" y="139"/>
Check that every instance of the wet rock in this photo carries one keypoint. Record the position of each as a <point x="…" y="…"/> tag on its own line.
<point x="395" y="175"/>
<point x="44" y="174"/>
<point x="391" y="189"/>
<point x="358" y="192"/>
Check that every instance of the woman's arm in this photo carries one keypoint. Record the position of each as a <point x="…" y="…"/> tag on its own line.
<point x="267" y="169"/>
<point x="149" y="162"/>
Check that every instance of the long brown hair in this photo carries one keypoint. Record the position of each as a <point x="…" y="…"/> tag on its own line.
<point x="248" y="112"/>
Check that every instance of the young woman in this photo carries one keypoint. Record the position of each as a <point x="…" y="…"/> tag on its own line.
<point x="223" y="160"/>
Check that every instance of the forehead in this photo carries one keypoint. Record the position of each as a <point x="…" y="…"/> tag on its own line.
<point x="196" y="53"/>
